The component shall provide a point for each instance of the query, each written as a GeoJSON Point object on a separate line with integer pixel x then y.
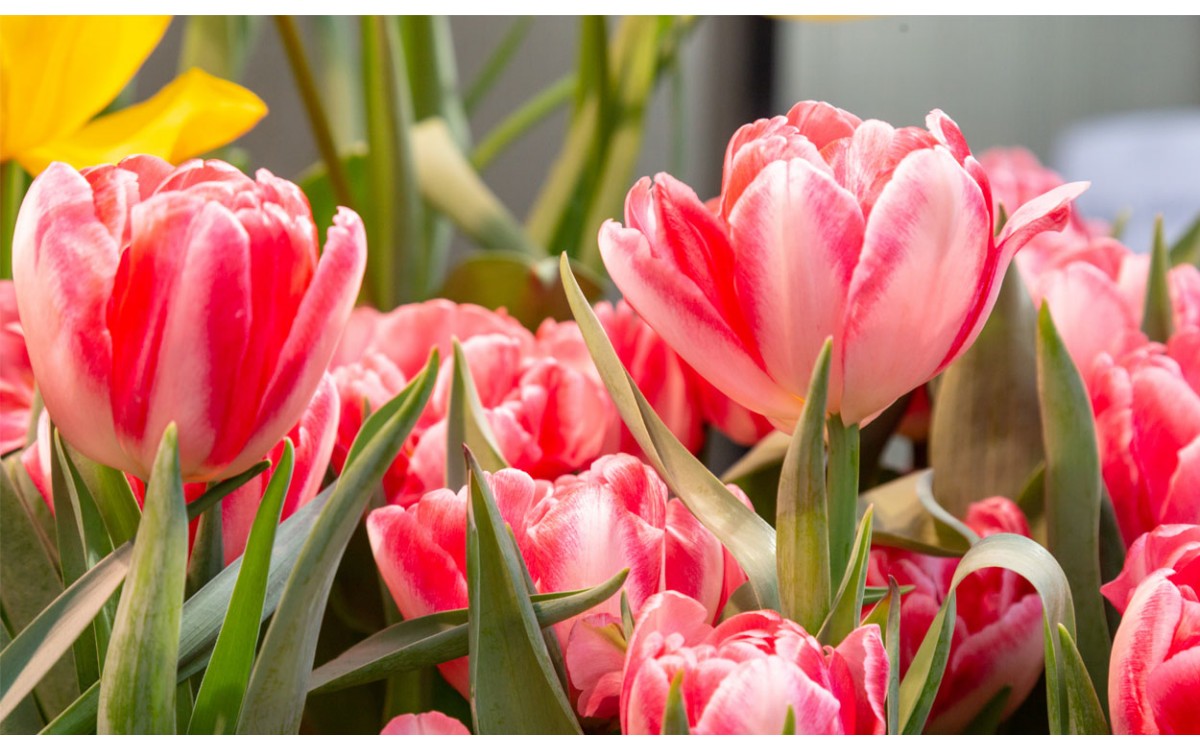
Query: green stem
{"type": "Point", "coordinates": [307, 85]}
{"type": "Point", "coordinates": [497, 62]}
{"type": "Point", "coordinates": [12, 191]}
{"type": "Point", "coordinates": [520, 122]}
{"type": "Point", "coordinates": [843, 492]}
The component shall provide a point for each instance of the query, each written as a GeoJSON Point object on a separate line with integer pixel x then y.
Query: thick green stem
{"type": "Point", "coordinates": [843, 493]}
{"type": "Point", "coordinates": [307, 84]}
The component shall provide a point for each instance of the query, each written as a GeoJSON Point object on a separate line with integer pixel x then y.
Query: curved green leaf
{"type": "Point", "coordinates": [1073, 488]}
{"type": "Point", "coordinates": [274, 697]}
{"type": "Point", "coordinates": [748, 537]}
{"type": "Point", "coordinates": [440, 637]}
{"type": "Point", "coordinates": [220, 696]}
{"type": "Point", "coordinates": [801, 516]}
{"type": "Point", "coordinates": [506, 645]}
{"type": "Point", "coordinates": [902, 518]}
{"type": "Point", "coordinates": [137, 688]}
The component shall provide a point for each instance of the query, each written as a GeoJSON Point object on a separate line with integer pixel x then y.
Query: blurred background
{"type": "Point", "coordinates": [1112, 100]}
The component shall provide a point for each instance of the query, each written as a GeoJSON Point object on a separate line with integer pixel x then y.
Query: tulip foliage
{"type": "Point", "coordinates": [259, 477]}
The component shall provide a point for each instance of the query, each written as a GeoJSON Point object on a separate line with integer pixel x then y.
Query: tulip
{"type": "Point", "coordinates": [1148, 434]}
{"type": "Point", "coordinates": [16, 376]}
{"type": "Point", "coordinates": [1154, 672]}
{"type": "Point", "coordinates": [742, 676]}
{"type": "Point", "coordinates": [573, 534]}
{"type": "Point", "coordinates": [143, 288]}
{"type": "Point", "coordinates": [60, 72]}
{"type": "Point", "coordinates": [997, 640]}
{"type": "Point", "coordinates": [1174, 546]}
{"type": "Point", "coordinates": [825, 226]}
{"type": "Point", "coordinates": [430, 722]}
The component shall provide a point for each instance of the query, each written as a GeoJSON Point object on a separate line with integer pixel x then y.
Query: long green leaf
{"type": "Point", "coordinates": [675, 719]}
{"type": "Point", "coordinates": [440, 637]}
{"type": "Point", "coordinates": [1073, 488]}
{"type": "Point", "coordinates": [506, 643]}
{"type": "Point", "coordinates": [466, 424]}
{"type": "Point", "coordinates": [137, 689]}
{"type": "Point", "coordinates": [204, 613]}
{"type": "Point", "coordinates": [1157, 317]}
{"type": "Point", "coordinates": [497, 62]}
{"type": "Point", "coordinates": [113, 496]}
{"type": "Point", "coordinates": [220, 696]}
{"type": "Point", "coordinates": [1084, 714]}
{"type": "Point", "coordinates": [986, 434]}
{"type": "Point", "coordinates": [1032, 562]}
{"type": "Point", "coordinates": [842, 489]}
{"type": "Point", "coordinates": [847, 604]}
{"type": "Point", "coordinates": [521, 121]}
{"type": "Point", "coordinates": [25, 718]}
{"type": "Point", "coordinates": [274, 697]}
{"type": "Point", "coordinates": [801, 517]}
{"type": "Point", "coordinates": [748, 537]}
{"type": "Point", "coordinates": [892, 643]}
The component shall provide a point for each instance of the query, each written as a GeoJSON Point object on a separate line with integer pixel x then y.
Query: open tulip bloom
{"type": "Point", "coordinates": [236, 483]}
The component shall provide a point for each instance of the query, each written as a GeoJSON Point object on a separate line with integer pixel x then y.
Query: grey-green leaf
{"type": "Point", "coordinates": [467, 424]}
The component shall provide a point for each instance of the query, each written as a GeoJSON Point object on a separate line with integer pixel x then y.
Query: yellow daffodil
{"type": "Point", "coordinates": [58, 73]}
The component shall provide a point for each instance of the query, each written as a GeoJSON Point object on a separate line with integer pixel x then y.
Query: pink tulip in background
{"type": "Point", "coordinates": [826, 226]}
{"type": "Point", "coordinates": [144, 288]}
{"type": "Point", "coordinates": [997, 639]}
{"type": "Point", "coordinates": [1154, 673]}
{"type": "Point", "coordinates": [430, 722]}
{"type": "Point", "coordinates": [573, 534]}
{"type": "Point", "coordinates": [16, 375]}
{"type": "Point", "coordinates": [742, 676]}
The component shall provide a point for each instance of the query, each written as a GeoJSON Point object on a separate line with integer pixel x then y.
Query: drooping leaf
{"type": "Point", "coordinates": [902, 519]}
{"type": "Point", "coordinates": [1157, 317]}
{"type": "Point", "coordinates": [847, 604]}
{"type": "Point", "coordinates": [137, 688]}
{"type": "Point", "coordinates": [440, 637]}
{"type": "Point", "coordinates": [801, 516]}
{"type": "Point", "coordinates": [675, 719]}
{"type": "Point", "coordinates": [467, 424]}
{"type": "Point", "coordinates": [986, 434]}
{"type": "Point", "coordinates": [747, 536]}
{"type": "Point", "coordinates": [219, 698]}
{"type": "Point", "coordinates": [506, 644]}
{"type": "Point", "coordinates": [1073, 487]}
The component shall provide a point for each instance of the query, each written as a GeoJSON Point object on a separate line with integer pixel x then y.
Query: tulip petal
{"type": "Point", "coordinates": [676, 308]}
{"type": "Point", "coordinates": [192, 115]}
{"type": "Point", "coordinates": [897, 335]}
{"type": "Point", "coordinates": [1182, 504]}
{"type": "Point", "coordinates": [1140, 645]}
{"type": "Point", "coordinates": [430, 722]}
{"type": "Point", "coordinates": [1172, 688]}
{"type": "Point", "coordinates": [756, 145]}
{"type": "Point", "coordinates": [866, 658]}
{"type": "Point", "coordinates": [64, 262]}
{"type": "Point", "coordinates": [737, 706]}
{"type": "Point", "coordinates": [822, 123]}
{"type": "Point", "coordinates": [60, 71]}
{"type": "Point", "coordinates": [1166, 418]}
{"type": "Point", "coordinates": [1090, 315]}
{"type": "Point", "coordinates": [797, 235]}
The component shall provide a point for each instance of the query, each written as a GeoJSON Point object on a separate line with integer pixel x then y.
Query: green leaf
{"type": "Point", "coordinates": [842, 489]}
{"type": "Point", "coordinates": [137, 689]}
{"type": "Point", "coordinates": [903, 519]}
{"type": "Point", "coordinates": [220, 696]}
{"type": "Point", "coordinates": [789, 721]}
{"type": "Point", "coordinates": [25, 717]}
{"type": "Point", "coordinates": [1157, 316]}
{"type": "Point", "coordinates": [112, 494]}
{"type": "Point", "coordinates": [218, 44]}
{"type": "Point", "coordinates": [847, 604]}
{"type": "Point", "coordinates": [1187, 248]}
{"type": "Point", "coordinates": [675, 719]}
{"type": "Point", "coordinates": [440, 637]}
{"type": "Point", "coordinates": [801, 516]}
{"type": "Point", "coordinates": [989, 717]}
{"type": "Point", "coordinates": [529, 289]}
{"type": "Point", "coordinates": [1031, 561]}
{"type": "Point", "coordinates": [986, 435]}
{"type": "Point", "coordinates": [540, 106]}
{"type": "Point", "coordinates": [467, 424]}
{"type": "Point", "coordinates": [1084, 714]}
{"type": "Point", "coordinates": [208, 552]}
{"type": "Point", "coordinates": [274, 698]}
{"type": "Point", "coordinates": [506, 644]}
{"type": "Point", "coordinates": [1073, 488]}
{"type": "Point", "coordinates": [497, 62]}
{"type": "Point", "coordinates": [891, 635]}
{"type": "Point", "coordinates": [204, 613]}
{"type": "Point", "coordinates": [397, 264]}
{"type": "Point", "coordinates": [749, 538]}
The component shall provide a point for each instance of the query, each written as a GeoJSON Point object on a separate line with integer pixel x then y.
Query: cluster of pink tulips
{"type": "Point", "coordinates": [146, 295]}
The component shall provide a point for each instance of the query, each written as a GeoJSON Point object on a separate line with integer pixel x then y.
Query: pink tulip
{"type": "Point", "coordinates": [997, 639]}
{"type": "Point", "coordinates": [826, 226]}
{"type": "Point", "coordinates": [143, 290]}
{"type": "Point", "coordinates": [1148, 433]}
{"type": "Point", "coordinates": [16, 375]}
{"type": "Point", "coordinates": [573, 534]}
{"type": "Point", "coordinates": [1154, 672]}
{"type": "Point", "coordinates": [312, 437]}
{"type": "Point", "coordinates": [1174, 546]}
{"type": "Point", "coordinates": [742, 676]}
{"type": "Point", "coordinates": [430, 722]}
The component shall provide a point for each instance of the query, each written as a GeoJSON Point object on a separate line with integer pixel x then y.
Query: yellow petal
{"type": "Point", "coordinates": [58, 72]}
{"type": "Point", "coordinates": [191, 115]}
